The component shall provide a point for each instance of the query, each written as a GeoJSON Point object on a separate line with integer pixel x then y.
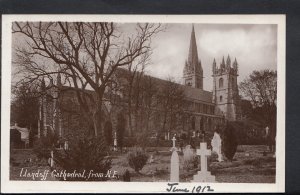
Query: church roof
{"type": "Point", "coordinates": [194, 94]}
{"type": "Point", "coordinates": [198, 94]}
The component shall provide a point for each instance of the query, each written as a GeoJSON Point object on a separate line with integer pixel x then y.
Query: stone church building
{"type": "Point", "coordinates": [204, 109]}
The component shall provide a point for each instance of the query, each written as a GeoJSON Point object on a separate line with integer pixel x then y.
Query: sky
{"type": "Point", "coordinates": [254, 47]}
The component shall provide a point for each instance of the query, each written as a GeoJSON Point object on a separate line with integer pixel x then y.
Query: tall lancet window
{"type": "Point", "coordinates": [220, 82]}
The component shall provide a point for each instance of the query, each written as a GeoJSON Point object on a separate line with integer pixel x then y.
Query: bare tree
{"type": "Point", "coordinates": [150, 93]}
{"type": "Point", "coordinates": [261, 88]}
{"type": "Point", "coordinates": [86, 54]}
{"type": "Point", "coordinates": [171, 104]}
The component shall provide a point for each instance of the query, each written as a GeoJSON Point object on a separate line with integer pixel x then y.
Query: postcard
{"type": "Point", "coordinates": [143, 103]}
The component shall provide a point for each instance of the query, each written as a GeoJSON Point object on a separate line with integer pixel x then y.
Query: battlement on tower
{"type": "Point", "coordinates": [225, 68]}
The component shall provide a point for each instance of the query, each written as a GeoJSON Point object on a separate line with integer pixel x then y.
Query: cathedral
{"type": "Point", "coordinates": [204, 109]}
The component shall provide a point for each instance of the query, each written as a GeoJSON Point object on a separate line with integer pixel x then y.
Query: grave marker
{"type": "Point", "coordinates": [203, 175]}
{"type": "Point", "coordinates": [216, 144]}
{"type": "Point", "coordinates": [174, 172]}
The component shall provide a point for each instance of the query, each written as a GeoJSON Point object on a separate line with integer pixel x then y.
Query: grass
{"type": "Point", "coordinates": [252, 168]}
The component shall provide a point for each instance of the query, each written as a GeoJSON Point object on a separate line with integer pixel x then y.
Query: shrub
{"type": "Point", "coordinates": [137, 159]}
{"type": "Point", "coordinates": [229, 142]}
{"type": "Point", "coordinates": [108, 133]}
{"type": "Point", "coordinates": [84, 154]}
{"type": "Point", "coordinates": [45, 144]}
{"type": "Point", "coordinates": [120, 130]}
{"type": "Point", "coordinates": [213, 157]}
{"type": "Point", "coordinates": [129, 141]}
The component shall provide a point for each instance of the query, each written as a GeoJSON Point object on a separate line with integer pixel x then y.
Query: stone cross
{"type": "Point", "coordinates": [203, 152]}
{"type": "Point", "coordinates": [203, 175]}
{"type": "Point", "coordinates": [174, 140]}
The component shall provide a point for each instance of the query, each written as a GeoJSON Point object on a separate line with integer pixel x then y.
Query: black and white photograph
{"type": "Point", "coordinates": [190, 104]}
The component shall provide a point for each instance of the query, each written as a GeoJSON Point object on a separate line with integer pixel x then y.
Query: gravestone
{"type": "Point", "coordinates": [115, 142]}
{"type": "Point", "coordinates": [203, 175]}
{"type": "Point", "coordinates": [51, 160]}
{"type": "Point", "coordinates": [267, 131]}
{"type": "Point", "coordinates": [174, 172]}
{"type": "Point", "coordinates": [66, 145]}
{"type": "Point", "coordinates": [151, 159]}
{"type": "Point", "coordinates": [188, 153]}
{"type": "Point", "coordinates": [216, 144]}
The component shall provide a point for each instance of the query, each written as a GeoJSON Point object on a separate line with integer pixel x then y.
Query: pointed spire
{"type": "Point", "coordinates": [214, 66]}
{"type": "Point", "coordinates": [235, 64]}
{"type": "Point", "coordinates": [228, 62]}
{"type": "Point", "coordinates": [223, 63]}
{"type": "Point", "coordinates": [193, 53]}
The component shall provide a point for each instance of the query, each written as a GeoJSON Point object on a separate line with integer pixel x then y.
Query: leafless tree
{"type": "Point", "coordinates": [261, 88]}
{"type": "Point", "coordinates": [171, 104]}
{"type": "Point", "coordinates": [150, 93]}
{"type": "Point", "coordinates": [85, 54]}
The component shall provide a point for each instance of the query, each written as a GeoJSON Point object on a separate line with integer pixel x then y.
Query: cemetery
{"type": "Point", "coordinates": [206, 163]}
{"type": "Point", "coordinates": [100, 112]}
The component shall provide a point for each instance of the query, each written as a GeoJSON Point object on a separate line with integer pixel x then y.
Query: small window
{"type": "Point", "coordinates": [221, 98]}
{"type": "Point", "coordinates": [220, 82]}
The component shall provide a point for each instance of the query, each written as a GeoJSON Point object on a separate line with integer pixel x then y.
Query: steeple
{"type": "Point", "coordinates": [193, 53]}
{"type": "Point", "coordinates": [235, 65]}
{"type": "Point", "coordinates": [228, 62]}
{"type": "Point", "coordinates": [193, 72]}
{"type": "Point", "coordinates": [223, 64]}
{"type": "Point", "coordinates": [214, 66]}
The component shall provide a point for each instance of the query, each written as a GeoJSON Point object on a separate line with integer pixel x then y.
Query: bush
{"type": "Point", "coordinates": [108, 133]}
{"type": "Point", "coordinates": [229, 142]}
{"type": "Point", "coordinates": [84, 154]}
{"type": "Point", "coordinates": [137, 159]}
{"type": "Point", "coordinates": [45, 144]}
{"type": "Point", "coordinates": [129, 141]}
{"type": "Point", "coordinates": [213, 157]}
{"type": "Point", "coordinates": [120, 130]}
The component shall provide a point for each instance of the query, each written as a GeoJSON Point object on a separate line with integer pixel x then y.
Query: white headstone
{"type": "Point", "coordinates": [51, 160]}
{"type": "Point", "coordinates": [267, 131]}
{"type": "Point", "coordinates": [151, 159]}
{"type": "Point", "coordinates": [188, 153]}
{"type": "Point", "coordinates": [174, 175]}
{"type": "Point", "coordinates": [203, 175]}
{"type": "Point", "coordinates": [216, 144]}
{"type": "Point", "coordinates": [115, 142]}
{"type": "Point", "coordinates": [66, 145]}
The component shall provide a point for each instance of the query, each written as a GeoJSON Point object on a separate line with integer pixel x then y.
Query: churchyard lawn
{"type": "Point", "coordinates": [249, 165]}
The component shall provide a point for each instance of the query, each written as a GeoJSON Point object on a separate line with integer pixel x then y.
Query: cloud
{"type": "Point", "coordinates": [254, 46]}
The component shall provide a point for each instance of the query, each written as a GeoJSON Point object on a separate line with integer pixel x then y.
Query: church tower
{"type": "Point", "coordinates": [225, 89]}
{"type": "Point", "coordinates": [193, 72]}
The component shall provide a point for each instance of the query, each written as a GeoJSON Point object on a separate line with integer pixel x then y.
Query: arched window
{"type": "Point", "coordinates": [232, 82]}
{"type": "Point", "coordinates": [221, 98]}
{"type": "Point", "coordinates": [220, 82]}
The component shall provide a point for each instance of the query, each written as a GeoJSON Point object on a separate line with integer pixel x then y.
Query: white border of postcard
{"type": "Point", "coordinates": [92, 187]}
